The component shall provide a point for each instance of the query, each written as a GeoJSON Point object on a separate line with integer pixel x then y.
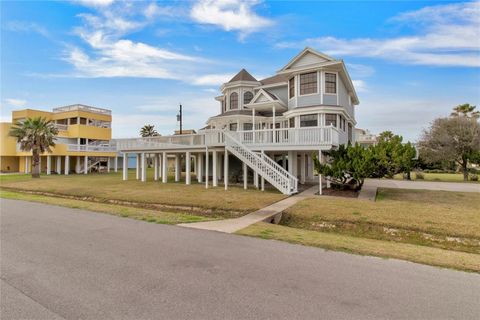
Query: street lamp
{"type": "Point", "coordinates": [179, 118]}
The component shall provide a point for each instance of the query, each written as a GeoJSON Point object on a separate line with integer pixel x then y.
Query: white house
{"type": "Point", "coordinates": [266, 129]}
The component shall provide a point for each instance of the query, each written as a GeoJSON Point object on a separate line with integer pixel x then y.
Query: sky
{"type": "Point", "coordinates": [411, 62]}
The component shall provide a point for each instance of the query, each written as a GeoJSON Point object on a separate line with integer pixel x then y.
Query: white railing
{"type": "Point", "coordinates": [61, 127]}
{"type": "Point", "coordinates": [91, 148]}
{"type": "Point", "coordinates": [82, 107]}
{"type": "Point", "coordinates": [317, 136]}
{"type": "Point", "coordinates": [264, 166]}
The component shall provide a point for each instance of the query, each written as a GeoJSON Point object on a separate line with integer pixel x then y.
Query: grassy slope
{"type": "Point", "coordinates": [421, 254]}
{"type": "Point", "coordinates": [111, 186]}
{"type": "Point", "coordinates": [122, 211]}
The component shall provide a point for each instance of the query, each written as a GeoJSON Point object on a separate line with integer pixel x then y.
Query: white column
{"type": "Point", "coordinates": [290, 162]}
{"type": "Point", "coordinates": [115, 164]}
{"type": "Point", "coordinates": [78, 166]}
{"type": "Point", "coordinates": [164, 167]}
{"type": "Point", "coordinates": [274, 138]}
{"type": "Point", "coordinates": [155, 166]}
{"type": "Point", "coordinates": [200, 168]}
{"type": "Point", "coordinates": [302, 168]}
{"type": "Point", "coordinates": [144, 167]}
{"type": "Point", "coordinates": [67, 165]}
{"type": "Point", "coordinates": [26, 165]}
{"type": "Point", "coordinates": [58, 163]}
{"type": "Point", "coordinates": [178, 168]}
{"type": "Point", "coordinates": [137, 168]}
{"type": "Point", "coordinates": [125, 166]}
{"type": "Point", "coordinates": [49, 164]}
{"type": "Point", "coordinates": [320, 187]}
{"type": "Point", "coordinates": [214, 168]}
{"type": "Point", "coordinates": [85, 164]}
{"type": "Point", "coordinates": [255, 179]}
{"type": "Point", "coordinates": [245, 176]}
{"type": "Point", "coordinates": [188, 168]}
{"type": "Point", "coordinates": [225, 169]}
{"type": "Point", "coordinates": [206, 168]}
{"type": "Point", "coordinates": [159, 165]}
{"type": "Point", "coordinates": [263, 180]}
{"type": "Point", "coordinates": [253, 125]}
{"type": "Point", "coordinates": [108, 164]}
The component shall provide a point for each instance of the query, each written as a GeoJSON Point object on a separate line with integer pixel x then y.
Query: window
{"type": "Point", "coordinates": [344, 124]}
{"type": "Point", "coordinates": [291, 123]}
{"type": "Point", "coordinates": [247, 126]}
{"type": "Point", "coordinates": [73, 120]}
{"type": "Point", "coordinates": [234, 101]}
{"type": "Point", "coordinates": [309, 120]}
{"type": "Point", "coordinates": [83, 120]}
{"type": "Point", "coordinates": [247, 97]}
{"type": "Point", "coordinates": [330, 83]}
{"type": "Point", "coordinates": [308, 83]}
{"type": "Point", "coordinates": [331, 119]}
{"type": "Point", "coordinates": [291, 87]}
{"type": "Point", "coordinates": [233, 127]}
{"type": "Point", "coordinates": [350, 133]}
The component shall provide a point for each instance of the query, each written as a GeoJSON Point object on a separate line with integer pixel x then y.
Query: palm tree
{"type": "Point", "coordinates": [36, 135]}
{"type": "Point", "coordinates": [148, 130]}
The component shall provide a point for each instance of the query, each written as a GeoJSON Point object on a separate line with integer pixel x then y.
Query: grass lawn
{"type": "Point", "coordinates": [154, 216]}
{"type": "Point", "coordinates": [433, 227]}
{"type": "Point", "coordinates": [442, 177]}
{"type": "Point", "coordinates": [178, 196]}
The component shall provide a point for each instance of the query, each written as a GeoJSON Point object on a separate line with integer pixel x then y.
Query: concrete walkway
{"type": "Point", "coordinates": [264, 214]}
{"type": "Point", "coordinates": [370, 186]}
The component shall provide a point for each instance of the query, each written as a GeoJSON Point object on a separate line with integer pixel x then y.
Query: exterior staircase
{"type": "Point", "coordinates": [263, 165]}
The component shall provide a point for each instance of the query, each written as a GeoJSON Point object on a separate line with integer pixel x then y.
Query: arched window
{"type": "Point", "coordinates": [247, 97]}
{"type": "Point", "coordinates": [234, 100]}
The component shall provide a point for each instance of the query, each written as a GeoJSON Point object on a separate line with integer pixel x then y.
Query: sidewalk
{"type": "Point", "coordinates": [267, 213]}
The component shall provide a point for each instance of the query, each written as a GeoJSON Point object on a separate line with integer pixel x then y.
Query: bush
{"type": "Point", "coordinates": [419, 176]}
{"type": "Point", "coordinates": [473, 177]}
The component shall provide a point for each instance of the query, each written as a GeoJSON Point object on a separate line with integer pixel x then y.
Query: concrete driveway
{"type": "Point", "coordinates": [72, 264]}
{"type": "Point", "coordinates": [423, 185]}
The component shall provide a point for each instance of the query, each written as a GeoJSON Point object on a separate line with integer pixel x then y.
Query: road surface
{"type": "Point", "coordinates": [66, 263]}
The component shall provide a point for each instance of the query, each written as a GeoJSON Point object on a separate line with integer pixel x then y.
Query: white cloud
{"type": "Point", "coordinates": [360, 85]}
{"type": "Point", "coordinates": [16, 102]}
{"type": "Point", "coordinates": [24, 26]}
{"type": "Point", "coordinates": [447, 36]}
{"type": "Point", "coordinates": [230, 15]}
{"type": "Point", "coordinates": [212, 79]}
{"type": "Point", "coordinates": [94, 3]}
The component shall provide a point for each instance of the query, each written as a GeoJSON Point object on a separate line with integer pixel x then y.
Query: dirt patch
{"type": "Point", "coordinates": [339, 193]}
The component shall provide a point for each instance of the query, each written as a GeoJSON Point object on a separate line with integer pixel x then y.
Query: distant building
{"type": "Point", "coordinates": [187, 131]}
{"type": "Point", "coordinates": [82, 145]}
{"type": "Point", "coordinates": [365, 138]}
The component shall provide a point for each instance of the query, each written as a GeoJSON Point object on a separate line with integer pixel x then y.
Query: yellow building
{"type": "Point", "coordinates": [82, 145]}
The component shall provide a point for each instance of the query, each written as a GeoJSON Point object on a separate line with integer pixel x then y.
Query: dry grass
{"type": "Point", "coordinates": [155, 216]}
{"type": "Point", "coordinates": [111, 187]}
{"type": "Point", "coordinates": [421, 254]}
{"type": "Point", "coordinates": [442, 177]}
{"type": "Point", "coordinates": [436, 212]}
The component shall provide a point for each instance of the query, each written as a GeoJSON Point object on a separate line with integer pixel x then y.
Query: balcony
{"type": "Point", "coordinates": [82, 107]}
{"type": "Point", "coordinates": [91, 148]}
{"type": "Point", "coordinates": [270, 139]}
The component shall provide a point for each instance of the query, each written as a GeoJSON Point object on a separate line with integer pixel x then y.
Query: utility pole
{"type": "Point", "coordinates": [179, 118]}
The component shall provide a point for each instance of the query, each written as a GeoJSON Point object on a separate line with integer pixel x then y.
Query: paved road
{"type": "Point", "coordinates": [67, 263]}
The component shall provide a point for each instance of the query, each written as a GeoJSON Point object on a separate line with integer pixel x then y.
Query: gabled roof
{"type": "Point", "coordinates": [321, 57]}
{"type": "Point", "coordinates": [243, 75]}
{"type": "Point", "coordinates": [263, 96]}
{"type": "Point", "coordinates": [279, 78]}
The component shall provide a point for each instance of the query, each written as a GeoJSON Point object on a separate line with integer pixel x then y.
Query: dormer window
{"type": "Point", "coordinates": [247, 97]}
{"type": "Point", "coordinates": [330, 83]}
{"type": "Point", "coordinates": [291, 87]}
{"type": "Point", "coordinates": [233, 100]}
{"type": "Point", "coordinates": [308, 83]}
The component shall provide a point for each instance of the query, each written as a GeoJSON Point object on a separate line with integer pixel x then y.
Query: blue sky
{"type": "Point", "coordinates": [410, 61]}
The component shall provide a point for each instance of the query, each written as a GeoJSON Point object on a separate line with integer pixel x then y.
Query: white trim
{"type": "Point", "coordinates": [304, 52]}
{"type": "Point", "coordinates": [308, 94]}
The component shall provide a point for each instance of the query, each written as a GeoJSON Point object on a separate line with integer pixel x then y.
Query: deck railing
{"type": "Point", "coordinates": [318, 136]}
{"type": "Point", "coordinates": [91, 148]}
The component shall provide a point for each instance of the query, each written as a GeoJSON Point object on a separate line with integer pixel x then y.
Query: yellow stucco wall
{"type": "Point", "coordinates": [9, 164]}
{"type": "Point", "coordinates": [8, 144]}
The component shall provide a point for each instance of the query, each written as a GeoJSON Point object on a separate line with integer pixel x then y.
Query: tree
{"type": "Point", "coordinates": [148, 131]}
{"type": "Point", "coordinates": [456, 138]}
{"type": "Point", "coordinates": [465, 110]}
{"type": "Point", "coordinates": [36, 135]}
{"type": "Point", "coordinates": [392, 156]}
{"type": "Point", "coordinates": [348, 164]}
